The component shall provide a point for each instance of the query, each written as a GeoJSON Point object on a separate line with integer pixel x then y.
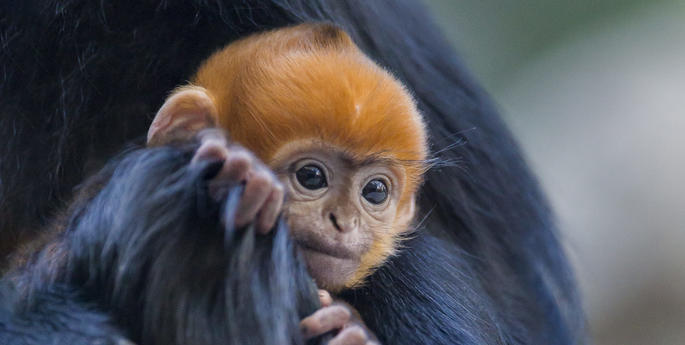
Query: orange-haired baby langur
{"type": "Point", "coordinates": [343, 137]}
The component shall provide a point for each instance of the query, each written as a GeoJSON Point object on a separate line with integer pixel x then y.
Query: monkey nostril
{"type": "Point", "coordinates": [331, 216]}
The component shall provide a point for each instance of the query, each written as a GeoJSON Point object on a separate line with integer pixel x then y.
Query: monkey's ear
{"type": "Point", "coordinates": [183, 114]}
{"type": "Point", "coordinates": [405, 215]}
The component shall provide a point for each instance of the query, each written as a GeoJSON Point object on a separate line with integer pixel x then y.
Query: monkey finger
{"type": "Point", "coordinates": [325, 320]}
{"type": "Point", "coordinates": [257, 189]}
{"type": "Point", "coordinates": [353, 335]}
{"type": "Point", "coordinates": [237, 165]}
{"type": "Point", "coordinates": [237, 160]}
{"type": "Point", "coordinates": [212, 137]}
{"type": "Point", "coordinates": [211, 149]}
{"type": "Point", "coordinates": [234, 168]}
{"type": "Point", "coordinates": [325, 298]}
{"type": "Point", "coordinates": [211, 133]}
{"type": "Point", "coordinates": [272, 206]}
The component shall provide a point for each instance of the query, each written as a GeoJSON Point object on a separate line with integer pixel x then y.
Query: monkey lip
{"type": "Point", "coordinates": [336, 250]}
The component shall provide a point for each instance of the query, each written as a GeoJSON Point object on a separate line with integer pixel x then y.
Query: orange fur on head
{"type": "Point", "coordinates": [311, 82]}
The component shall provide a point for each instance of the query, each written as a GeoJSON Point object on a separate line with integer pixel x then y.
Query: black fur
{"type": "Point", "coordinates": [150, 252]}
{"type": "Point", "coordinates": [58, 315]}
{"type": "Point", "coordinates": [78, 78]}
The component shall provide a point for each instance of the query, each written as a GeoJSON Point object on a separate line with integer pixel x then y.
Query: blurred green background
{"type": "Point", "coordinates": [595, 93]}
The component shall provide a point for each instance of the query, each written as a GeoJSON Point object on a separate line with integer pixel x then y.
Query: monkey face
{"type": "Point", "coordinates": [344, 136]}
{"type": "Point", "coordinates": [342, 210]}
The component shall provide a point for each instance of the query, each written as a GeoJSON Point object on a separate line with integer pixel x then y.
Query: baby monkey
{"type": "Point", "coordinates": [343, 138]}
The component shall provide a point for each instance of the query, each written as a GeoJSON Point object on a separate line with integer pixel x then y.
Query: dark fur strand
{"type": "Point", "coordinates": [151, 253]}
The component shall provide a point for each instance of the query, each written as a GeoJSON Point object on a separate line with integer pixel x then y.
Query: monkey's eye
{"type": "Point", "coordinates": [311, 177]}
{"type": "Point", "coordinates": [375, 191]}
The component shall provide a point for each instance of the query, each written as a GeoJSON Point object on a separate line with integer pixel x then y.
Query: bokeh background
{"type": "Point", "coordinates": [595, 93]}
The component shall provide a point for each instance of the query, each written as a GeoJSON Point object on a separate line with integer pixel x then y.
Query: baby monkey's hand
{"type": "Point", "coordinates": [262, 197]}
{"type": "Point", "coordinates": [337, 316]}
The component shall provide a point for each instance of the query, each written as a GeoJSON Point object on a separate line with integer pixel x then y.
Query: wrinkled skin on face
{"type": "Point", "coordinates": [341, 210]}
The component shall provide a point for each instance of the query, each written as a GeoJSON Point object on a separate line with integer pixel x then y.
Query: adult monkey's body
{"type": "Point", "coordinates": [78, 75]}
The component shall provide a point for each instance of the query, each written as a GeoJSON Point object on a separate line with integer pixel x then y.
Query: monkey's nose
{"type": "Point", "coordinates": [342, 227]}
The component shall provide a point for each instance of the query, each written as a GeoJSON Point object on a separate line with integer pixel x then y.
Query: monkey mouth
{"type": "Point", "coordinates": [321, 246]}
{"type": "Point", "coordinates": [329, 263]}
